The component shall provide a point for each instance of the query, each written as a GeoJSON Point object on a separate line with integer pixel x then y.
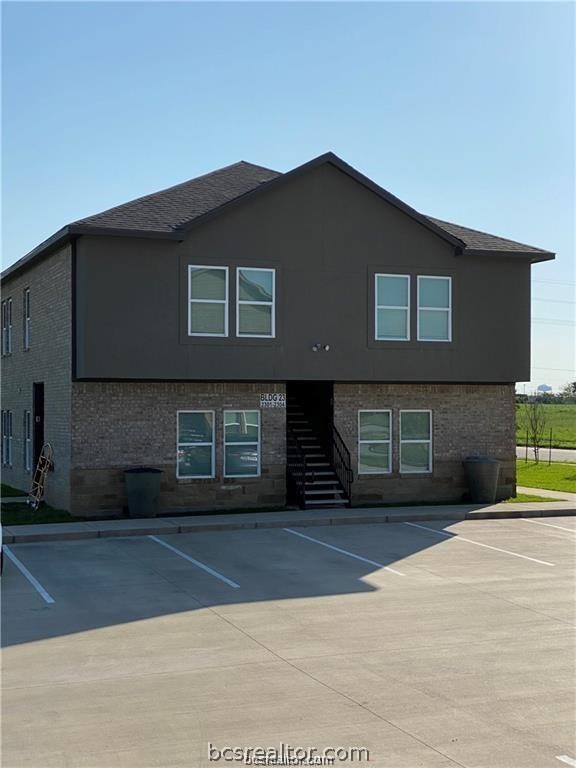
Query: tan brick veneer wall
{"type": "Point", "coordinates": [48, 360]}
{"type": "Point", "coordinates": [467, 419]}
{"type": "Point", "coordinates": [119, 425]}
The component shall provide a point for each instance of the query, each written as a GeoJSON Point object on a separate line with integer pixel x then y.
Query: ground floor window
{"type": "Point", "coordinates": [7, 438]}
{"type": "Point", "coordinates": [374, 438]}
{"type": "Point", "coordinates": [195, 444]}
{"type": "Point", "coordinates": [27, 440]}
{"type": "Point", "coordinates": [241, 443]}
{"type": "Point", "coordinates": [415, 441]}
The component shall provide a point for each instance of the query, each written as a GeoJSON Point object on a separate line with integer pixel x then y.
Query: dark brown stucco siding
{"type": "Point", "coordinates": [326, 235]}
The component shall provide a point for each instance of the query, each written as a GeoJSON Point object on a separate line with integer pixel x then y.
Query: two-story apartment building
{"type": "Point", "coordinates": [172, 330]}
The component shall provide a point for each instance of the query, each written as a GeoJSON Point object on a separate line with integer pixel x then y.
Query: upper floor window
{"type": "Point", "coordinates": [392, 307]}
{"type": "Point", "coordinates": [415, 441]}
{"type": "Point", "coordinates": [207, 301]}
{"type": "Point", "coordinates": [7, 438]}
{"type": "Point", "coordinates": [7, 326]}
{"type": "Point", "coordinates": [255, 311]}
{"type": "Point", "coordinates": [26, 318]}
{"type": "Point", "coordinates": [434, 308]}
{"type": "Point", "coordinates": [195, 444]}
{"type": "Point", "coordinates": [374, 436]}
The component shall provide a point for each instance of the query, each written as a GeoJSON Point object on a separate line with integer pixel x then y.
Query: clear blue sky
{"type": "Point", "coordinates": [463, 110]}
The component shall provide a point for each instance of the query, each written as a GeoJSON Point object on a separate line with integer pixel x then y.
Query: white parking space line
{"type": "Point", "coordinates": [197, 563]}
{"type": "Point", "coordinates": [566, 759]}
{"type": "Point", "coordinates": [457, 537]}
{"type": "Point", "coordinates": [549, 525]}
{"type": "Point", "coordinates": [35, 583]}
{"type": "Point", "coordinates": [343, 551]}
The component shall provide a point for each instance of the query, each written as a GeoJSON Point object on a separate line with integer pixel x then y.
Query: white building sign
{"type": "Point", "coordinates": [272, 400]}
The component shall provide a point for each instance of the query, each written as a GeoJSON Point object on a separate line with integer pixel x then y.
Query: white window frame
{"type": "Point", "coordinates": [389, 441]}
{"type": "Point", "coordinates": [407, 442]}
{"type": "Point", "coordinates": [7, 438]}
{"type": "Point", "coordinates": [447, 309]}
{"type": "Point", "coordinates": [26, 314]}
{"type": "Point", "coordinates": [271, 304]}
{"type": "Point", "coordinates": [386, 306]}
{"type": "Point", "coordinates": [28, 441]}
{"type": "Point", "coordinates": [224, 301]}
{"type": "Point", "coordinates": [225, 442]}
{"type": "Point", "coordinates": [196, 444]}
{"type": "Point", "coordinates": [7, 327]}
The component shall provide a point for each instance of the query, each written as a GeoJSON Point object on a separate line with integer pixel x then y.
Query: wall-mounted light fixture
{"type": "Point", "coordinates": [320, 347]}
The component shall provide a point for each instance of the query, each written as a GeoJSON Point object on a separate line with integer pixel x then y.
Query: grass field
{"type": "Point", "coordinates": [553, 477]}
{"type": "Point", "coordinates": [560, 418]}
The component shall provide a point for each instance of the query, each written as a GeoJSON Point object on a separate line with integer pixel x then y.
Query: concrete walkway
{"type": "Point", "coordinates": [556, 454]}
{"type": "Point", "coordinates": [18, 534]}
{"type": "Point", "coordinates": [560, 495]}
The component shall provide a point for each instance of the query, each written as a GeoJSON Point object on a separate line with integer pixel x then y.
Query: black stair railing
{"type": "Point", "coordinates": [298, 469]}
{"type": "Point", "coordinates": [341, 463]}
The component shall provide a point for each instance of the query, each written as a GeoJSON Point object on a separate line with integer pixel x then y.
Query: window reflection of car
{"type": "Point", "coordinates": [193, 436]}
{"type": "Point", "coordinates": [249, 457]}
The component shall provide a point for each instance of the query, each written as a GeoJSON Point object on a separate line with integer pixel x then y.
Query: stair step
{"type": "Point", "coordinates": [313, 483]}
{"type": "Point", "coordinates": [317, 464]}
{"type": "Point", "coordinates": [326, 502]}
{"type": "Point", "coordinates": [321, 472]}
{"type": "Point", "coordinates": [322, 492]}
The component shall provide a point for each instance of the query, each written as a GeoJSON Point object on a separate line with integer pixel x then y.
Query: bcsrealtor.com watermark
{"type": "Point", "coordinates": [284, 754]}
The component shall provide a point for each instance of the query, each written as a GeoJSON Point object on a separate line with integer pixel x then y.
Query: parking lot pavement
{"type": "Point", "coordinates": [431, 645]}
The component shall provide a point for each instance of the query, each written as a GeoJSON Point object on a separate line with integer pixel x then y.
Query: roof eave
{"type": "Point", "coordinates": [155, 234]}
{"type": "Point", "coordinates": [55, 241]}
{"type": "Point", "coordinates": [70, 231]}
{"type": "Point", "coordinates": [533, 256]}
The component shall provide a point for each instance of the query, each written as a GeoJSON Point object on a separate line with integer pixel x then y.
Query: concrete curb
{"type": "Point", "coordinates": [21, 534]}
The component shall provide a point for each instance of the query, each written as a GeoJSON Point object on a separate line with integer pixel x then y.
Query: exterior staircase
{"type": "Point", "coordinates": [314, 478]}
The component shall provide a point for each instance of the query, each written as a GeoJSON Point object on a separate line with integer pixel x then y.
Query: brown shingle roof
{"type": "Point", "coordinates": [168, 209]}
{"type": "Point", "coordinates": [483, 241]}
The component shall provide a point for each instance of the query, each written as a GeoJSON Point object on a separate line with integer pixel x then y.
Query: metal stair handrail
{"type": "Point", "coordinates": [341, 461]}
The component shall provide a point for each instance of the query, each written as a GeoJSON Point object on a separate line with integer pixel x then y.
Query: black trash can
{"type": "Point", "coordinates": [482, 475]}
{"type": "Point", "coordinates": [143, 490]}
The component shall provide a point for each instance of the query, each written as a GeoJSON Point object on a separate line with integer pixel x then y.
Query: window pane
{"type": "Point", "coordinates": [195, 460]}
{"type": "Point", "coordinates": [241, 459]}
{"type": "Point", "coordinates": [207, 318]}
{"type": "Point", "coordinates": [255, 320]}
{"type": "Point", "coordinates": [414, 457]}
{"type": "Point", "coordinates": [433, 325]}
{"type": "Point", "coordinates": [392, 323]}
{"type": "Point", "coordinates": [255, 285]}
{"type": "Point", "coordinates": [207, 283]}
{"type": "Point", "coordinates": [374, 425]}
{"type": "Point", "coordinates": [434, 293]}
{"type": "Point", "coordinates": [241, 426]}
{"type": "Point", "coordinates": [194, 427]}
{"type": "Point", "coordinates": [414, 425]}
{"type": "Point", "coordinates": [373, 457]}
{"type": "Point", "coordinates": [392, 291]}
